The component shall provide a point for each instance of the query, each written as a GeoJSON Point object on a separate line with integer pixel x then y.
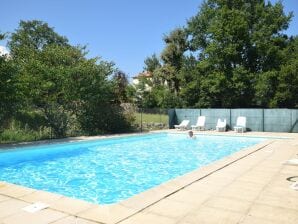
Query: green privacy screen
{"type": "Point", "coordinates": [271, 120]}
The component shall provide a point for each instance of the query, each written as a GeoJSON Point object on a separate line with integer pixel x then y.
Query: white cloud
{"type": "Point", "coordinates": [3, 51]}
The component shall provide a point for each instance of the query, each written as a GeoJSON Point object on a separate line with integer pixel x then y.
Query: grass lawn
{"type": "Point", "coordinates": [151, 118]}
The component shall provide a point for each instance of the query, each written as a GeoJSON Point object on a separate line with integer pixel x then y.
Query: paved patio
{"type": "Point", "coordinates": [250, 186]}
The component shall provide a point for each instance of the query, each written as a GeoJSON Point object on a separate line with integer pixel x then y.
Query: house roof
{"type": "Point", "coordinates": [145, 74]}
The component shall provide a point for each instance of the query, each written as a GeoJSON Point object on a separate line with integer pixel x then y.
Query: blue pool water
{"type": "Point", "coordinates": [110, 170]}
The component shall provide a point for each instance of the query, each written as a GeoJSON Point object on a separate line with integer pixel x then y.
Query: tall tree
{"type": "Point", "coordinates": [59, 83]}
{"type": "Point", "coordinates": [172, 57]}
{"type": "Point", "coordinates": [121, 84]}
{"type": "Point", "coordinates": [34, 35]}
{"type": "Point", "coordinates": [9, 94]}
{"type": "Point", "coordinates": [190, 81]}
{"type": "Point", "coordinates": [152, 63]}
{"type": "Point", "coordinates": [239, 42]}
{"type": "Point", "coordinates": [41, 55]}
{"type": "Point", "coordinates": [2, 35]}
{"type": "Point", "coordinates": [287, 87]}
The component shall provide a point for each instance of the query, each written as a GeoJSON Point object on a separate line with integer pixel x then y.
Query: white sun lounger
{"type": "Point", "coordinates": [200, 123]}
{"type": "Point", "coordinates": [221, 125]}
{"type": "Point", "coordinates": [183, 125]}
{"type": "Point", "coordinates": [240, 124]}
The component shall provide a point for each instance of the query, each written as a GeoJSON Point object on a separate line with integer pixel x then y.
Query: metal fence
{"type": "Point", "coordinates": [267, 120]}
{"type": "Point", "coordinates": [148, 119]}
{"type": "Point", "coordinates": [32, 125]}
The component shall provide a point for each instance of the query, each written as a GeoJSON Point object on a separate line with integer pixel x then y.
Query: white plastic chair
{"type": "Point", "coordinates": [183, 125]}
{"type": "Point", "coordinates": [200, 123]}
{"type": "Point", "coordinates": [221, 125]}
{"type": "Point", "coordinates": [240, 124]}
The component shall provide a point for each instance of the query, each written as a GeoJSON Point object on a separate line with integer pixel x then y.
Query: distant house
{"type": "Point", "coordinates": [147, 75]}
{"type": "Point", "coordinates": [141, 76]}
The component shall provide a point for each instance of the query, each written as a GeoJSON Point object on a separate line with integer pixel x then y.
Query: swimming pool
{"type": "Point", "coordinates": [110, 170]}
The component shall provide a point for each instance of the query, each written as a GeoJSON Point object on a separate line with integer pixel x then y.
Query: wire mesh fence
{"type": "Point", "coordinates": [148, 119]}
{"type": "Point", "coordinates": [38, 124]}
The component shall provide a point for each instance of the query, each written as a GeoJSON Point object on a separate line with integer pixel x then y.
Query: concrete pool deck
{"type": "Point", "coordinates": [249, 186]}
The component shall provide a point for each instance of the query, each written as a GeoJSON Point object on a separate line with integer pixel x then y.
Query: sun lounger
{"type": "Point", "coordinates": [240, 124]}
{"type": "Point", "coordinates": [221, 125]}
{"type": "Point", "coordinates": [183, 125]}
{"type": "Point", "coordinates": [200, 125]}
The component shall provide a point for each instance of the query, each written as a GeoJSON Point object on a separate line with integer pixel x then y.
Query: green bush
{"type": "Point", "coordinates": [22, 135]}
{"type": "Point", "coordinates": [32, 119]}
{"type": "Point", "coordinates": [105, 118]}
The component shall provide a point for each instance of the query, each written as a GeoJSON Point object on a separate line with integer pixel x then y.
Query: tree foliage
{"type": "Point", "coordinates": [287, 87]}
{"type": "Point", "coordinates": [240, 46]}
{"type": "Point", "coordinates": [9, 96]}
{"type": "Point", "coordinates": [34, 35]}
{"type": "Point", "coordinates": [121, 82]}
{"type": "Point", "coordinates": [232, 53]}
{"type": "Point", "coordinates": [56, 82]}
{"type": "Point", "coordinates": [172, 57]}
{"type": "Point", "coordinates": [152, 63]}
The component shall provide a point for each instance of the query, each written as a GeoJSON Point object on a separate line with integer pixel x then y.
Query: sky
{"type": "Point", "coordinates": [122, 31]}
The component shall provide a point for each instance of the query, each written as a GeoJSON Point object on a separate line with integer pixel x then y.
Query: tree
{"type": "Point", "coordinates": [152, 63]}
{"type": "Point", "coordinates": [34, 35]}
{"type": "Point", "coordinates": [9, 93]}
{"type": "Point", "coordinates": [190, 80]}
{"type": "Point", "coordinates": [172, 57]}
{"type": "Point", "coordinates": [121, 84]}
{"type": "Point", "coordinates": [287, 85]}
{"type": "Point", "coordinates": [164, 86]}
{"type": "Point", "coordinates": [47, 85]}
{"type": "Point", "coordinates": [99, 108]}
{"type": "Point", "coordinates": [2, 35]}
{"type": "Point", "coordinates": [60, 84]}
{"type": "Point", "coordinates": [239, 46]}
{"type": "Point", "coordinates": [42, 57]}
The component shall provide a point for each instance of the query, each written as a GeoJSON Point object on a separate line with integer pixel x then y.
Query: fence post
{"type": "Point", "coordinates": [141, 119]}
{"type": "Point", "coordinates": [230, 118]}
{"type": "Point", "coordinates": [291, 119]}
{"type": "Point", "coordinates": [263, 120]}
{"type": "Point", "coordinates": [159, 115]}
